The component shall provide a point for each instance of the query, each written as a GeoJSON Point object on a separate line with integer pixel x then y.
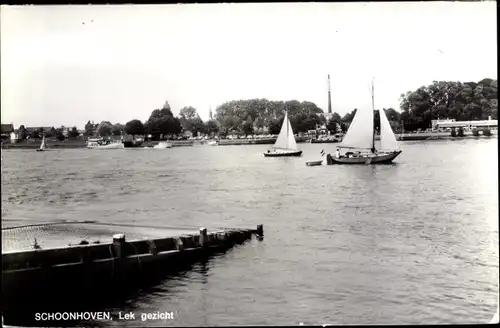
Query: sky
{"type": "Point", "coordinates": [66, 65]}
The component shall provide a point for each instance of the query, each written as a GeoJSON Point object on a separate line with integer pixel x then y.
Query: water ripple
{"type": "Point", "coordinates": [402, 244]}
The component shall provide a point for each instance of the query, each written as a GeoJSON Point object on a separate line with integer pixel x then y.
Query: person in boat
{"type": "Point", "coordinates": [337, 153]}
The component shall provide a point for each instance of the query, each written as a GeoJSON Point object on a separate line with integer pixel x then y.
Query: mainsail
{"type": "Point", "coordinates": [387, 138]}
{"type": "Point", "coordinates": [42, 146]}
{"type": "Point", "coordinates": [360, 132]}
{"type": "Point", "coordinates": [286, 139]}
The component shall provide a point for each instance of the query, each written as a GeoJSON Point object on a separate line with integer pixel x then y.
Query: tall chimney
{"type": "Point", "coordinates": [329, 97]}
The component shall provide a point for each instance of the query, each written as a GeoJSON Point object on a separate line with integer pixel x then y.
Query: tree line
{"type": "Point", "coordinates": [441, 99]}
{"type": "Point", "coordinates": [24, 133]}
{"type": "Point", "coordinates": [444, 99]}
{"type": "Point", "coordinates": [241, 117]}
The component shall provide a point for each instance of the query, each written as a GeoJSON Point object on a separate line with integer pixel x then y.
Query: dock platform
{"type": "Point", "coordinates": [71, 265]}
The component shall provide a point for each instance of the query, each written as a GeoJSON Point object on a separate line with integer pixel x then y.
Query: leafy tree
{"type": "Point", "coordinates": [188, 113]}
{"type": "Point", "coordinates": [117, 129]}
{"type": "Point", "coordinates": [349, 116]}
{"type": "Point", "coordinates": [35, 134]}
{"type": "Point", "coordinates": [260, 113]}
{"type": "Point", "coordinates": [23, 133]}
{"type": "Point", "coordinates": [162, 122]}
{"type": "Point", "coordinates": [212, 127]}
{"type": "Point", "coordinates": [376, 120]}
{"type": "Point", "coordinates": [134, 127]}
{"type": "Point", "coordinates": [332, 125]}
{"type": "Point", "coordinates": [448, 99]}
{"type": "Point", "coordinates": [191, 121]}
{"type": "Point", "coordinates": [247, 127]}
{"type": "Point", "coordinates": [73, 133]}
{"type": "Point", "coordinates": [105, 129]}
{"type": "Point", "coordinates": [51, 133]}
{"type": "Point", "coordinates": [343, 127]}
{"type": "Point", "coordinates": [89, 129]}
{"type": "Point", "coordinates": [60, 135]}
{"type": "Point", "coordinates": [322, 118]}
{"type": "Point", "coordinates": [336, 117]}
{"type": "Point", "coordinates": [275, 125]}
{"type": "Point", "coordinates": [197, 126]}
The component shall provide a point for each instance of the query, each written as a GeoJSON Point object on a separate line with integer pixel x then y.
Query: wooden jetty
{"type": "Point", "coordinates": [85, 271]}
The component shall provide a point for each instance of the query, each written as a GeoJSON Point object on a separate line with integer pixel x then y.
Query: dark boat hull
{"type": "Point", "coordinates": [377, 159]}
{"type": "Point", "coordinates": [314, 163]}
{"type": "Point", "coordinates": [324, 141]}
{"type": "Point", "coordinates": [284, 154]}
{"type": "Point", "coordinates": [132, 144]}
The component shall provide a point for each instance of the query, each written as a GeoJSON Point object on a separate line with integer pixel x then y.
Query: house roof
{"type": "Point", "coordinates": [7, 128]}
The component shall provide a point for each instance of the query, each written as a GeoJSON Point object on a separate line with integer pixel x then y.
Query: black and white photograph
{"type": "Point", "coordinates": [249, 164]}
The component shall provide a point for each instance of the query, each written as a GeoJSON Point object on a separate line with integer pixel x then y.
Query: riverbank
{"type": "Point", "coordinates": [438, 135]}
{"type": "Point", "coordinates": [70, 144]}
{"type": "Point", "coordinates": [35, 144]}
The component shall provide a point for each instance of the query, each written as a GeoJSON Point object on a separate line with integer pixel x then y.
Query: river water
{"type": "Point", "coordinates": [409, 243]}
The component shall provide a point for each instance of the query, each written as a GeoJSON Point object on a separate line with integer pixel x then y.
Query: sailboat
{"type": "Point", "coordinates": [43, 147]}
{"type": "Point", "coordinates": [285, 144]}
{"type": "Point", "coordinates": [360, 140]}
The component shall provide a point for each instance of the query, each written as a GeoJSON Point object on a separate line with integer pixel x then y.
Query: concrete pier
{"type": "Point", "coordinates": [83, 271]}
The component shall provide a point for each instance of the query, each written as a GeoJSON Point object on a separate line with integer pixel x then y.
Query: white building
{"type": "Point", "coordinates": [452, 123]}
{"type": "Point", "coordinates": [14, 137]}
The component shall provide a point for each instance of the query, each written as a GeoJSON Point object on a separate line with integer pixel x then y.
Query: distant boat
{"type": "Point", "coordinates": [43, 147]}
{"type": "Point", "coordinates": [360, 140]}
{"type": "Point", "coordinates": [212, 143]}
{"type": "Point", "coordinates": [314, 163]}
{"type": "Point", "coordinates": [133, 143]}
{"type": "Point", "coordinates": [285, 144]}
{"type": "Point", "coordinates": [100, 144]}
{"type": "Point", "coordinates": [163, 145]}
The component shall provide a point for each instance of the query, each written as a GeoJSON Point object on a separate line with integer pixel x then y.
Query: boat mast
{"type": "Point", "coordinates": [373, 109]}
{"type": "Point", "coordinates": [286, 118]}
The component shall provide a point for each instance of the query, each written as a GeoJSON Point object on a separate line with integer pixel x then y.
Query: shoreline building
{"type": "Point", "coordinates": [452, 123]}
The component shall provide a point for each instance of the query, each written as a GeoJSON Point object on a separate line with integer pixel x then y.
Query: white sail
{"type": "Point", "coordinates": [285, 139]}
{"type": "Point", "coordinates": [387, 138]}
{"type": "Point", "coordinates": [42, 146]}
{"type": "Point", "coordinates": [291, 138]}
{"type": "Point", "coordinates": [360, 132]}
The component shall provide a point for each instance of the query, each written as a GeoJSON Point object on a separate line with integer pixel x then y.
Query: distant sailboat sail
{"type": "Point", "coordinates": [360, 133]}
{"type": "Point", "coordinates": [42, 146]}
{"type": "Point", "coordinates": [285, 144]}
{"type": "Point", "coordinates": [286, 139]}
{"type": "Point", "coordinates": [388, 140]}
